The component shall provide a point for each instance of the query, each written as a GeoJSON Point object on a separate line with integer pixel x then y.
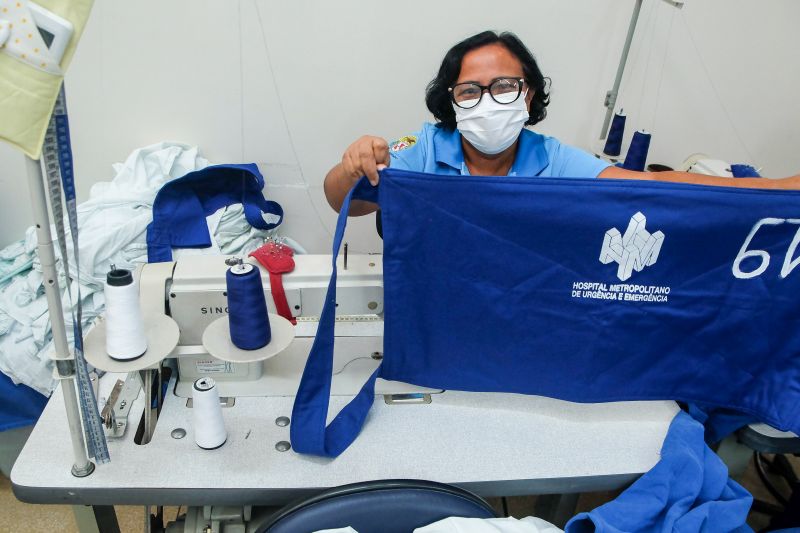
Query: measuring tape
{"type": "Point", "coordinates": [57, 157]}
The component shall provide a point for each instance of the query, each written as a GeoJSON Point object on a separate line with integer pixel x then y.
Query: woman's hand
{"type": "Point", "coordinates": [366, 157]}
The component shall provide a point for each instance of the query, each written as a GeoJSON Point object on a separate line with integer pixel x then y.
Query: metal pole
{"type": "Point", "coordinates": [147, 386]}
{"type": "Point", "coordinates": [611, 96]}
{"type": "Point", "coordinates": [65, 363]}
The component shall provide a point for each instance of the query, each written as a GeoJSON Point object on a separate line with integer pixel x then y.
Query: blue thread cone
{"type": "Point", "coordinates": [637, 152]}
{"type": "Point", "coordinates": [247, 309]}
{"type": "Point", "coordinates": [615, 133]}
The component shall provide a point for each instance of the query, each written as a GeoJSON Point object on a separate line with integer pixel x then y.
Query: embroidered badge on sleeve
{"type": "Point", "coordinates": [403, 142]}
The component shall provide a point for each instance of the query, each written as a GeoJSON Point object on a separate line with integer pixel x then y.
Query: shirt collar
{"type": "Point", "coordinates": [447, 147]}
{"type": "Point", "coordinates": [531, 156]}
{"type": "Point", "coordinates": [530, 160]}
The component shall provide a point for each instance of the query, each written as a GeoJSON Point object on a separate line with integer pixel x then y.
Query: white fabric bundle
{"type": "Point", "coordinates": [529, 524]}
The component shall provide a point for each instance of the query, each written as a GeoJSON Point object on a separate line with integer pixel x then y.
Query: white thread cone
{"type": "Point", "coordinates": [209, 427]}
{"type": "Point", "coordinates": [125, 337]}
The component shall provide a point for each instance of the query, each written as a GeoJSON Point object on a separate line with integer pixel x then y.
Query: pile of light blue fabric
{"type": "Point", "coordinates": [112, 223]}
{"type": "Point", "coordinates": [113, 226]}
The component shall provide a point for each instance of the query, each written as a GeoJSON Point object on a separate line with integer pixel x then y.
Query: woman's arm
{"type": "Point", "coordinates": [792, 182]}
{"type": "Point", "coordinates": [365, 157]}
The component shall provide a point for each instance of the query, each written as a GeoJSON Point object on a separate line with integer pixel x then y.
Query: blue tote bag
{"type": "Point", "coordinates": [578, 289]}
{"type": "Point", "coordinates": [182, 205]}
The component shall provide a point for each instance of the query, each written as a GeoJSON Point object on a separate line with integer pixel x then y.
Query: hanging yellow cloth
{"type": "Point", "coordinates": [29, 78]}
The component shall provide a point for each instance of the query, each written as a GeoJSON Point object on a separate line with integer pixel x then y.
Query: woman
{"type": "Point", "coordinates": [488, 89]}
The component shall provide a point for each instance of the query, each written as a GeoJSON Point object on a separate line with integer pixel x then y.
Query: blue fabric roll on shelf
{"type": "Point", "coordinates": [181, 207]}
{"type": "Point", "coordinates": [744, 171]}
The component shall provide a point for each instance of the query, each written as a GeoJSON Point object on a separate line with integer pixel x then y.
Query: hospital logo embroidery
{"type": "Point", "coordinates": [403, 142]}
{"type": "Point", "coordinates": [636, 249]}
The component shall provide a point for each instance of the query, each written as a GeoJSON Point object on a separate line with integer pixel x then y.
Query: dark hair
{"type": "Point", "coordinates": [437, 96]}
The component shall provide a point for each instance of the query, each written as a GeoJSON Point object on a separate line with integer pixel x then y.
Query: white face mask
{"type": "Point", "coordinates": [491, 127]}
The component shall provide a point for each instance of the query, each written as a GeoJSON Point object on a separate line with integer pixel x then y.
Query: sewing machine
{"type": "Point", "coordinates": [195, 296]}
{"type": "Point", "coordinates": [492, 444]}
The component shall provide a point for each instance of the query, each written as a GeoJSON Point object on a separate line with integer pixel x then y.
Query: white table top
{"type": "Point", "coordinates": [492, 444]}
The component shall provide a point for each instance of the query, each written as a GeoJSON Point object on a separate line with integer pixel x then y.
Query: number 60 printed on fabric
{"type": "Point", "coordinates": [789, 264]}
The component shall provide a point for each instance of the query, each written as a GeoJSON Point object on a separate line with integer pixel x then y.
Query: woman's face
{"type": "Point", "coordinates": [489, 62]}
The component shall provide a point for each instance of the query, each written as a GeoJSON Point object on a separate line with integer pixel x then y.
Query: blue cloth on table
{"type": "Point", "coordinates": [182, 205]}
{"type": "Point", "coordinates": [19, 405]}
{"type": "Point", "coordinates": [687, 491]}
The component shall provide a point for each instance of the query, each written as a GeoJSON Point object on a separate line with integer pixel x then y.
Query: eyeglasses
{"type": "Point", "coordinates": [502, 90]}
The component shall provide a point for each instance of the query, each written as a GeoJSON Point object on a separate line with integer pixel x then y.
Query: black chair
{"type": "Point", "coordinates": [762, 439]}
{"type": "Point", "coordinates": [388, 506]}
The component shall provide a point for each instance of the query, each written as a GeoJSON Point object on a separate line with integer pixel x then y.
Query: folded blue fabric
{"type": "Point", "coordinates": [19, 405]}
{"type": "Point", "coordinates": [182, 205]}
{"type": "Point", "coordinates": [744, 171]}
{"type": "Point", "coordinates": [687, 491]}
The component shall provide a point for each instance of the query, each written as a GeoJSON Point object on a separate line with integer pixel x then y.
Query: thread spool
{"type": "Point", "coordinates": [125, 337]}
{"type": "Point", "coordinates": [615, 133]}
{"type": "Point", "coordinates": [209, 426]}
{"type": "Point", "coordinates": [637, 152]}
{"type": "Point", "coordinates": [248, 321]}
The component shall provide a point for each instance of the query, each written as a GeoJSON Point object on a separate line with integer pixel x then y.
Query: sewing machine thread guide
{"type": "Point", "coordinates": [117, 408]}
{"type": "Point", "coordinates": [108, 410]}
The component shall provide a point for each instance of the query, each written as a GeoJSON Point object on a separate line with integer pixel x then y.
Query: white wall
{"type": "Point", "coordinates": [727, 82]}
{"type": "Point", "coordinates": [15, 211]}
{"type": "Point", "coordinates": [290, 84]}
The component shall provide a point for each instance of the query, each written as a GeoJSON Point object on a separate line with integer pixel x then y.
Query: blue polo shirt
{"type": "Point", "coordinates": [438, 151]}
